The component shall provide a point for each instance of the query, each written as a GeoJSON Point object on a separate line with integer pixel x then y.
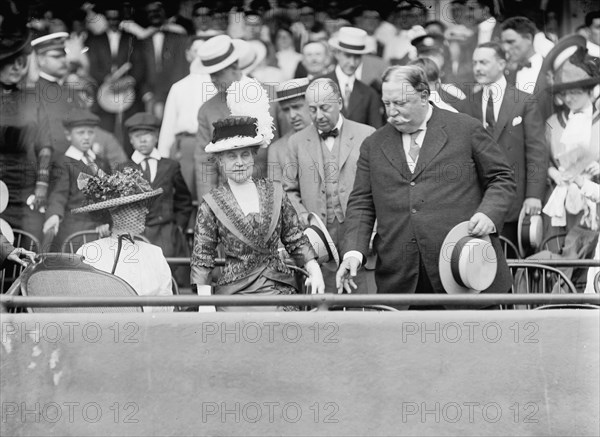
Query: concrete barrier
{"type": "Point", "coordinates": [325, 373]}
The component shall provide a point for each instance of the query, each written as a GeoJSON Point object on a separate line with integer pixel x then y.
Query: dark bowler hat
{"type": "Point", "coordinates": [80, 117]}
{"type": "Point", "coordinates": [142, 121]}
{"type": "Point", "coordinates": [15, 36]}
{"type": "Point", "coordinates": [53, 41]}
{"type": "Point", "coordinates": [428, 43]}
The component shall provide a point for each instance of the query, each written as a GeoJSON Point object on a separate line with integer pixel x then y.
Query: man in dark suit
{"type": "Point", "coordinates": [420, 175]}
{"type": "Point", "coordinates": [109, 51]}
{"type": "Point", "coordinates": [513, 121]}
{"type": "Point", "coordinates": [170, 212]}
{"type": "Point", "coordinates": [164, 55]}
{"type": "Point", "coordinates": [361, 102]}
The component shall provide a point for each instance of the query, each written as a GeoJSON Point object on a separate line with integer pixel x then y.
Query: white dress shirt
{"type": "Point", "coordinates": [76, 154]}
{"type": "Point", "coordinates": [434, 97]}
{"type": "Point", "coordinates": [406, 140]}
{"type": "Point", "coordinates": [140, 159]}
{"type": "Point", "coordinates": [343, 80]}
{"type": "Point", "coordinates": [498, 89]}
{"type": "Point", "coordinates": [113, 41]}
{"type": "Point", "coordinates": [50, 78]}
{"type": "Point", "coordinates": [330, 140]}
{"type": "Point", "coordinates": [181, 108]}
{"type": "Point", "coordinates": [157, 41]}
{"type": "Point", "coordinates": [527, 76]}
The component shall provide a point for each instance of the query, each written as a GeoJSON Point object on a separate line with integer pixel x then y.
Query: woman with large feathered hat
{"type": "Point", "coordinates": [248, 217]}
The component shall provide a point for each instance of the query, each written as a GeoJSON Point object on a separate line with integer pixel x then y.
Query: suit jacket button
{"type": "Point", "coordinates": [413, 240]}
{"type": "Point", "coordinates": [412, 184]}
{"type": "Point", "coordinates": [413, 211]}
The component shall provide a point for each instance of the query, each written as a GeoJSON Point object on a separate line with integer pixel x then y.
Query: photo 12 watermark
{"type": "Point", "coordinates": [270, 412]}
{"type": "Point", "coordinates": [69, 412]}
{"type": "Point", "coordinates": [269, 332]}
{"type": "Point", "coordinates": [69, 332]}
{"type": "Point", "coordinates": [469, 412]}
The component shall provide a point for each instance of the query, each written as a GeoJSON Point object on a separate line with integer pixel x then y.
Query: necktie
{"type": "Point", "coordinates": [414, 150]}
{"type": "Point", "coordinates": [332, 133]}
{"type": "Point", "coordinates": [146, 169]}
{"type": "Point", "coordinates": [490, 120]}
{"type": "Point", "coordinates": [91, 165]}
{"type": "Point", "coordinates": [347, 92]}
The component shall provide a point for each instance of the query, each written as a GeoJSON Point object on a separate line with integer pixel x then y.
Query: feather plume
{"type": "Point", "coordinates": [247, 97]}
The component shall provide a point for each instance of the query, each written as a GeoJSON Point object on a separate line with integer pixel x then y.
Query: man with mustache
{"type": "Point", "coordinates": [419, 175]}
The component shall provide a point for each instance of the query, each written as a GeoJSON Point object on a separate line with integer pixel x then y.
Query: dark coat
{"type": "Point", "coordinates": [65, 195]}
{"type": "Point", "coordinates": [520, 131]}
{"type": "Point", "coordinates": [174, 65]}
{"type": "Point", "coordinates": [460, 171]}
{"type": "Point", "coordinates": [365, 104]}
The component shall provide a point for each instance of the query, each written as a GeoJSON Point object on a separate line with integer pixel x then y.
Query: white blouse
{"type": "Point", "coordinates": [142, 265]}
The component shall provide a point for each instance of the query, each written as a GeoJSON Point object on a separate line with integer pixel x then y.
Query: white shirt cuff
{"type": "Point", "coordinates": [355, 254]}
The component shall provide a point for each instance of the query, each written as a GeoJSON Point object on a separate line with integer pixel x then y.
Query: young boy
{"type": "Point", "coordinates": [169, 212]}
{"type": "Point", "coordinates": [80, 130]}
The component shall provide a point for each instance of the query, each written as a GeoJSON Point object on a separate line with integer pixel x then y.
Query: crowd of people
{"type": "Point", "coordinates": [382, 130]}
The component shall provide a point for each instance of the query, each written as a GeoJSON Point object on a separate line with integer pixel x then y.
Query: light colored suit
{"type": "Point", "coordinates": [304, 178]}
{"type": "Point", "coordinates": [305, 184]}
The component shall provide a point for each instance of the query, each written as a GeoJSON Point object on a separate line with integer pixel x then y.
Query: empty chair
{"type": "Point", "coordinates": [510, 250]}
{"type": "Point", "coordinates": [538, 278]}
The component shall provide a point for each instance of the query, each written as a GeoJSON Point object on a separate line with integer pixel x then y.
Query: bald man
{"type": "Point", "coordinates": [321, 165]}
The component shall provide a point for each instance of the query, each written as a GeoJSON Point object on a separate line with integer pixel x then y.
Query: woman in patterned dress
{"type": "Point", "coordinates": [248, 218]}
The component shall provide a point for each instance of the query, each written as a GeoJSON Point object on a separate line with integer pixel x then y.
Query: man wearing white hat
{"type": "Point", "coordinates": [178, 132]}
{"type": "Point", "coordinates": [219, 58]}
{"type": "Point", "coordinates": [361, 103]}
{"type": "Point", "coordinates": [55, 98]}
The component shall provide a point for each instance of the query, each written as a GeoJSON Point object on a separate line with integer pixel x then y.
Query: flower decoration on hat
{"type": "Point", "coordinates": [248, 98]}
{"type": "Point", "coordinates": [118, 189]}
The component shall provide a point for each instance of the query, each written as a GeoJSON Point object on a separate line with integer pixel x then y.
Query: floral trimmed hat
{"type": "Point", "coordinates": [118, 189]}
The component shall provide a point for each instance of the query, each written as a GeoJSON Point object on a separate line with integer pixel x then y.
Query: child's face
{"type": "Point", "coordinates": [82, 137]}
{"type": "Point", "coordinates": [144, 141]}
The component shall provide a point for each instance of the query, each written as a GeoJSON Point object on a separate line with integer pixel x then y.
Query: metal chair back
{"type": "Point", "coordinates": [66, 275]}
{"type": "Point", "coordinates": [538, 278]}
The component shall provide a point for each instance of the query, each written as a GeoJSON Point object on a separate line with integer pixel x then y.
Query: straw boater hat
{"type": "Point", "coordinates": [5, 228]}
{"type": "Point", "coordinates": [467, 264]}
{"type": "Point", "coordinates": [290, 89]}
{"type": "Point", "coordinates": [350, 40]}
{"type": "Point", "coordinates": [321, 241]}
{"type": "Point", "coordinates": [530, 231]}
{"type": "Point", "coordinates": [218, 53]}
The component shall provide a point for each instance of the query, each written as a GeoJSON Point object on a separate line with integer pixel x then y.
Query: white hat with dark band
{"type": "Point", "coordinates": [530, 232]}
{"type": "Point", "coordinates": [218, 53]}
{"type": "Point", "coordinates": [467, 264]}
{"type": "Point", "coordinates": [350, 40]}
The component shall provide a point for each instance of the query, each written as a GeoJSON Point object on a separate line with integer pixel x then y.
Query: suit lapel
{"type": "Point", "coordinates": [313, 146]}
{"type": "Point", "coordinates": [345, 144]}
{"type": "Point", "coordinates": [393, 150]}
{"type": "Point", "coordinates": [476, 108]}
{"type": "Point", "coordinates": [161, 171]}
{"type": "Point", "coordinates": [435, 139]}
{"type": "Point", "coordinates": [506, 111]}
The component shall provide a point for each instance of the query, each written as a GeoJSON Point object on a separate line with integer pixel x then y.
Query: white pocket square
{"type": "Point", "coordinates": [516, 121]}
